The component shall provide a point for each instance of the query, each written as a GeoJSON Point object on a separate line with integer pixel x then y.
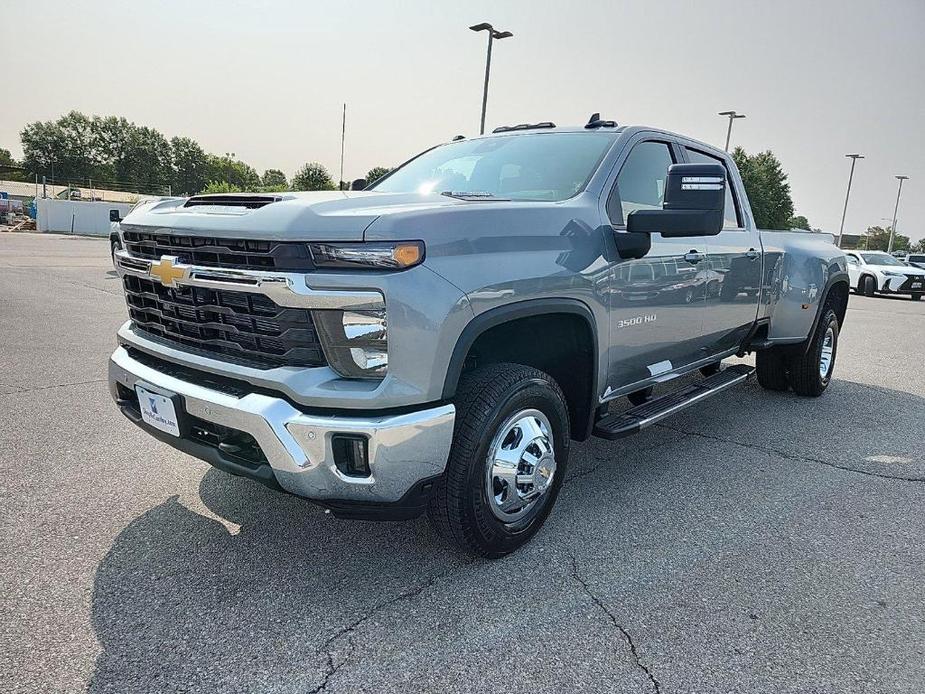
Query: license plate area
{"type": "Point", "coordinates": [160, 409]}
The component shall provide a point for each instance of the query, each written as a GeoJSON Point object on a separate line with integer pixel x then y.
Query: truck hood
{"type": "Point", "coordinates": [322, 215]}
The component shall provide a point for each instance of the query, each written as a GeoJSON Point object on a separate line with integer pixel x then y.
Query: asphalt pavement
{"type": "Point", "coordinates": [760, 542]}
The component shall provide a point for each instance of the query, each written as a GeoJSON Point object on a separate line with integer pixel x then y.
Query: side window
{"type": "Point", "coordinates": [852, 260]}
{"type": "Point", "coordinates": [730, 215]}
{"type": "Point", "coordinates": [641, 181]}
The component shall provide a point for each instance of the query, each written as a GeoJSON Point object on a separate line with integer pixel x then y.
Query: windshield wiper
{"type": "Point", "coordinates": [473, 195]}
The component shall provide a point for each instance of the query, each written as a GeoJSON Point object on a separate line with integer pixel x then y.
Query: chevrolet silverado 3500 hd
{"type": "Point", "coordinates": [437, 340]}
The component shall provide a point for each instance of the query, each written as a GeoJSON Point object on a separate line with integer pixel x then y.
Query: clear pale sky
{"type": "Point", "coordinates": [266, 79]}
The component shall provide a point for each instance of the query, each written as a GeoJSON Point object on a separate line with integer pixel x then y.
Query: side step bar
{"type": "Point", "coordinates": [616, 426]}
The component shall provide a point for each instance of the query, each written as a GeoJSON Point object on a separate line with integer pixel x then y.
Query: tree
{"type": "Point", "coordinates": [312, 176]}
{"type": "Point", "coordinates": [878, 239]}
{"type": "Point", "coordinates": [376, 173]}
{"type": "Point", "coordinates": [918, 246]}
{"type": "Point", "coordinates": [216, 187]}
{"type": "Point", "coordinates": [767, 188]}
{"type": "Point", "coordinates": [798, 222]}
{"type": "Point", "coordinates": [190, 166]}
{"type": "Point", "coordinates": [6, 159]}
{"type": "Point", "coordinates": [61, 148]}
{"type": "Point", "coordinates": [274, 178]}
{"type": "Point", "coordinates": [233, 172]}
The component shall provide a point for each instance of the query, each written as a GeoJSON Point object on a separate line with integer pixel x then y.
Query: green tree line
{"type": "Point", "coordinates": [112, 150]}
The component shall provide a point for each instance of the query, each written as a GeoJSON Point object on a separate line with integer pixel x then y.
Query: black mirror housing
{"type": "Point", "coordinates": [358, 184]}
{"type": "Point", "coordinates": [114, 216]}
{"type": "Point", "coordinates": [695, 196]}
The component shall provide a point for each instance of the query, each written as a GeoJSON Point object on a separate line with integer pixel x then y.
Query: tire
{"type": "Point", "coordinates": [916, 296]}
{"type": "Point", "coordinates": [811, 372]}
{"type": "Point", "coordinates": [867, 285]}
{"type": "Point", "coordinates": [710, 369]}
{"type": "Point", "coordinates": [113, 247]}
{"type": "Point", "coordinates": [640, 397]}
{"type": "Point", "coordinates": [491, 401]}
{"type": "Point", "coordinates": [771, 369]}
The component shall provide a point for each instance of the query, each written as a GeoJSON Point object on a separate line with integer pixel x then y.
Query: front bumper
{"type": "Point", "coordinates": [407, 451]}
{"type": "Point", "coordinates": [905, 284]}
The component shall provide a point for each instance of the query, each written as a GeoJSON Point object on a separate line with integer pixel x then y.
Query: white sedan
{"type": "Point", "coordinates": [875, 271]}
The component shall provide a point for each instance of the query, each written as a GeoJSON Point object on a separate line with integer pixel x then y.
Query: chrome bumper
{"type": "Point", "coordinates": [404, 449]}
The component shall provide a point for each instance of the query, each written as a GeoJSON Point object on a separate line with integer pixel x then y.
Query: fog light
{"type": "Point", "coordinates": [350, 454]}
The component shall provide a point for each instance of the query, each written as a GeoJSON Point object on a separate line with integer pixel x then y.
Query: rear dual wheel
{"type": "Point", "coordinates": [808, 371]}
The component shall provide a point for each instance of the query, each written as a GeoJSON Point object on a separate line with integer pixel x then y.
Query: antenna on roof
{"type": "Point", "coordinates": [459, 137]}
{"type": "Point", "coordinates": [595, 122]}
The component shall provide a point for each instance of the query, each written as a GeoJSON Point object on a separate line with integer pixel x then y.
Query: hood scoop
{"type": "Point", "coordinates": [249, 202]}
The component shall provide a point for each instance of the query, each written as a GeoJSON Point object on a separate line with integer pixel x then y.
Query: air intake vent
{"type": "Point", "coordinates": [251, 202]}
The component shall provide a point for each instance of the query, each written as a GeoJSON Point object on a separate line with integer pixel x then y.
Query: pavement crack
{"type": "Point", "coordinates": [793, 457]}
{"type": "Point", "coordinates": [54, 385]}
{"type": "Point", "coordinates": [657, 688]}
{"type": "Point", "coordinates": [348, 629]}
{"type": "Point", "coordinates": [332, 667]}
{"type": "Point", "coordinates": [601, 461]}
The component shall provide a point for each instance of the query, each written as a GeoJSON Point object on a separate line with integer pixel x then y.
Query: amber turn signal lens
{"type": "Point", "coordinates": [407, 254]}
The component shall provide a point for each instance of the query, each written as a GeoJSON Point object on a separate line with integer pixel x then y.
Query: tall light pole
{"type": "Point", "coordinates": [854, 158]}
{"type": "Point", "coordinates": [889, 248]}
{"type": "Point", "coordinates": [732, 115]}
{"type": "Point", "coordinates": [492, 35]}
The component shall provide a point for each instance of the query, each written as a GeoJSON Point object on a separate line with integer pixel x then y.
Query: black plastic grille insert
{"type": "Point", "coordinates": [241, 327]}
{"type": "Point", "coordinates": [238, 254]}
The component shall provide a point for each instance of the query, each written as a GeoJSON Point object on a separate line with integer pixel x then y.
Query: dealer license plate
{"type": "Point", "coordinates": [158, 411]}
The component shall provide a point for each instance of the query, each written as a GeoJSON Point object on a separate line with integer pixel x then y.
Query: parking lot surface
{"type": "Point", "coordinates": [760, 542]}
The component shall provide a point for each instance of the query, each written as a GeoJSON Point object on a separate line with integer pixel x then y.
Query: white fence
{"type": "Point", "coordinates": [72, 217]}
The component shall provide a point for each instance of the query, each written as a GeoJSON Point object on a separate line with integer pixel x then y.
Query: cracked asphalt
{"type": "Point", "coordinates": [758, 543]}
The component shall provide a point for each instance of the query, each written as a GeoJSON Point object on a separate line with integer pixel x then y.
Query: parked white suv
{"type": "Point", "coordinates": [875, 271]}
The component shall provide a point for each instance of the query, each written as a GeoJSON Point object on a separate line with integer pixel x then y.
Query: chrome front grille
{"type": "Point", "coordinates": [239, 254]}
{"type": "Point", "coordinates": [243, 327]}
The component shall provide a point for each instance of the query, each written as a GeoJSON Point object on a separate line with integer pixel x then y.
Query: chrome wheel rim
{"type": "Point", "coordinates": [825, 355]}
{"type": "Point", "coordinates": [521, 465]}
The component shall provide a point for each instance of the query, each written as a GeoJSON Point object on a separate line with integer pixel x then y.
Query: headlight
{"type": "Point", "coordinates": [355, 342]}
{"type": "Point", "coordinates": [377, 256]}
{"type": "Point", "coordinates": [891, 273]}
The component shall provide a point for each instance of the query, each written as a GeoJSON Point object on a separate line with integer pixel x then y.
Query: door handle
{"type": "Point", "coordinates": [752, 254]}
{"type": "Point", "coordinates": [693, 257]}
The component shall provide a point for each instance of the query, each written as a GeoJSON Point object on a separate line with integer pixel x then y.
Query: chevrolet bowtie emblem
{"type": "Point", "coordinates": [167, 271]}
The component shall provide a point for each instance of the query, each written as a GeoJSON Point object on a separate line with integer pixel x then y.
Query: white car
{"type": "Point", "coordinates": [875, 271]}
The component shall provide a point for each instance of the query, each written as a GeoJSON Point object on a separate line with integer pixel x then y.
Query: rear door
{"type": "Point", "coordinates": [656, 301]}
{"type": "Point", "coordinates": [732, 270]}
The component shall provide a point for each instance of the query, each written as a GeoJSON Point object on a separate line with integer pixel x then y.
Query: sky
{"type": "Point", "coordinates": [267, 79]}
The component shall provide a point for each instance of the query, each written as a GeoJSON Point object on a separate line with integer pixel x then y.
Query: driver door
{"type": "Point", "coordinates": [657, 302]}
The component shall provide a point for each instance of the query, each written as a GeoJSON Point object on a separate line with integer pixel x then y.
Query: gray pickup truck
{"type": "Point", "coordinates": [436, 341]}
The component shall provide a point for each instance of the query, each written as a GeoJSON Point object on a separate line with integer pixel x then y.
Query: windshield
{"type": "Point", "coordinates": [881, 259]}
{"type": "Point", "coordinates": [915, 259]}
{"type": "Point", "coordinates": [538, 166]}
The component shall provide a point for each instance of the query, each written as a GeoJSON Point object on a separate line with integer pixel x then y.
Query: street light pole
{"type": "Point", "coordinates": [889, 248]}
{"type": "Point", "coordinates": [492, 35]}
{"type": "Point", "coordinates": [732, 115]}
{"type": "Point", "coordinates": [854, 158]}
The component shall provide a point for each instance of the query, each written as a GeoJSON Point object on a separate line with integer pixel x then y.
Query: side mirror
{"type": "Point", "coordinates": [114, 216]}
{"type": "Point", "coordinates": [358, 184]}
{"type": "Point", "coordinates": [695, 196]}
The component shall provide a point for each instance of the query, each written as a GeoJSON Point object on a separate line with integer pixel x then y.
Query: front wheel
{"type": "Point", "coordinates": [508, 458]}
{"type": "Point", "coordinates": [916, 296]}
{"type": "Point", "coordinates": [868, 285]}
{"type": "Point", "coordinates": [811, 371]}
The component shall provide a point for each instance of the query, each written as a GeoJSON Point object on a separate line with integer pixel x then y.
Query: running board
{"type": "Point", "coordinates": [616, 426]}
